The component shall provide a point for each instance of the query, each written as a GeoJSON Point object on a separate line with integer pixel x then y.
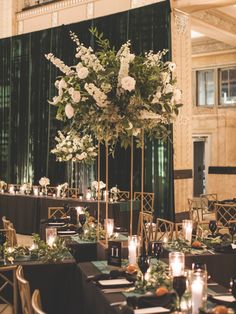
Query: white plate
{"type": "Point", "coordinates": [226, 298]}
{"type": "Point", "coordinates": [151, 310]}
{"type": "Point", "coordinates": [56, 223]}
{"type": "Point", "coordinates": [114, 282]}
{"type": "Point", "coordinates": [66, 232]}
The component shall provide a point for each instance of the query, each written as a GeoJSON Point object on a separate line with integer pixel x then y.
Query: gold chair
{"type": "Point", "coordinates": [123, 195]}
{"type": "Point", "coordinates": [145, 222]}
{"type": "Point", "coordinates": [8, 278]}
{"type": "Point", "coordinates": [148, 200]}
{"type": "Point", "coordinates": [56, 212]}
{"type": "Point", "coordinates": [10, 232]}
{"type": "Point", "coordinates": [73, 192]}
{"type": "Point", "coordinates": [24, 290]}
{"type": "Point", "coordinates": [207, 205]}
{"type": "Point", "coordinates": [164, 230]}
{"type": "Point", "coordinates": [36, 303]}
{"type": "Point", "coordinates": [225, 212]}
{"type": "Point", "coordinates": [195, 209]}
{"type": "Point", "coordinates": [51, 190]}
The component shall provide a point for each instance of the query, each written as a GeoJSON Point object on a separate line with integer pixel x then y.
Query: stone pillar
{"type": "Point", "coordinates": [183, 147]}
{"type": "Point", "coordinates": [7, 20]}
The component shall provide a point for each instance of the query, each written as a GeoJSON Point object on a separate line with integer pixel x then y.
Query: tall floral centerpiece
{"type": "Point", "coordinates": [44, 182]}
{"type": "Point", "coordinates": [116, 96]}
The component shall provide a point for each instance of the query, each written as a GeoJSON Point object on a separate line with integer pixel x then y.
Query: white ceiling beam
{"type": "Point", "coordinates": [213, 31]}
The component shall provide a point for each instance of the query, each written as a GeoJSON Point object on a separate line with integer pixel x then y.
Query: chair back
{"type": "Point", "coordinates": [56, 212]}
{"type": "Point", "coordinates": [195, 209]}
{"type": "Point", "coordinates": [8, 279]}
{"type": "Point", "coordinates": [225, 212]}
{"type": "Point", "coordinates": [73, 192]}
{"type": "Point", "coordinates": [10, 232]}
{"type": "Point", "coordinates": [123, 195]}
{"type": "Point", "coordinates": [164, 229]}
{"type": "Point", "coordinates": [36, 303]}
{"type": "Point", "coordinates": [51, 190]}
{"type": "Point", "coordinates": [24, 290]}
{"type": "Point", "coordinates": [148, 200]}
{"type": "Point", "coordinates": [145, 222]}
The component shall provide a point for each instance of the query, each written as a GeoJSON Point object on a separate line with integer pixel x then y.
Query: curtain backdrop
{"type": "Point", "coordinates": [27, 121]}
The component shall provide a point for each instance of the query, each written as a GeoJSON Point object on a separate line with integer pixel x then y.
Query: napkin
{"type": "Point", "coordinates": [224, 298]}
{"type": "Point", "coordinates": [150, 310]}
{"type": "Point", "coordinates": [151, 301]}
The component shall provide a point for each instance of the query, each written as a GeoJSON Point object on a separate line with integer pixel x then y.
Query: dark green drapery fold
{"type": "Point", "coordinates": [27, 121]}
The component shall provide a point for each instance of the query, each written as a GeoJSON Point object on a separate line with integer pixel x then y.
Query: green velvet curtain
{"type": "Point", "coordinates": [27, 121]}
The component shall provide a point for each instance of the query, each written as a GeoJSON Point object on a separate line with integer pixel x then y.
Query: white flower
{"type": "Point", "coordinates": [136, 132]}
{"type": "Point", "coordinates": [82, 72]}
{"type": "Point", "coordinates": [94, 185]}
{"type": "Point", "coordinates": [128, 83]}
{"type": "Point", "coordinates": [55, 100]}
{"type": "Point", "coordinates": [76, 96]}
{"type": "Point", "coordinates": [114, 189]}
{"type": "Point", "coordinates": [168, 89]}
{"type": "Point", "coordinates": [69, 111]}
{"type": "Point", "coordinates": [177, 95]}
{"type": "Point", "coordinates": [165, 77]}
{"type": "Point", "coordinates": [62, 84]}
{"type": "Point", "coordinates": [171, 66]}
{"type": "Point", "coordinates": [82, 156]}
{"type": "Point", "coordinates": [44, 181]}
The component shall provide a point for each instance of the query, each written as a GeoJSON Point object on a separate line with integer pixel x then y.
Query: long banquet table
{"type": "Point", "coordinates": [26, 211]}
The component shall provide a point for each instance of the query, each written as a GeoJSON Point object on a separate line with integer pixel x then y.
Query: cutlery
{"type": "Point", "coordinates": [116, 290]}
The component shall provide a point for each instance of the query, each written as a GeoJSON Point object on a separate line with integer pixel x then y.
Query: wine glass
{"type": "Point", "coordinates": [179, 285]}
{"type": "Point", "coordinates": [212, 227]}
{"type": "Point", "coordinates": [198, 266]}
{"type": "Point", "coordinates": [233, 286]}
{"type": "Point", "coordinates": [143, 263]}
{"type": "Point", "coordinates": [158, 249]}
{"type": "Point", "coordinates": [232, 230]}
{"type": "Point", "coordinates": [82, 219]}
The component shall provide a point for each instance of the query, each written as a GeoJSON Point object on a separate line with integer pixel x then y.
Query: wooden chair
{"type": "Point", "coordinates": [36, 303]}
{"type": "Point", "coordinates": [148, 200]}
{"type": "Point", "coordinates": [10, 232]}
{"type": "Point", "coordinates": [73, 192]}
{"type": "Point", "coordinates": [51, 190]}
{"type": "Point", "coordinates": [164, 229]}
{"type": "Point", "coordinates": [207, 205]}
{"type": "Point", "coordinates": [225, 212]}
{"type": "Point", "coordinates": [56, 212]}
{"type": "Point", "coordinates": [145, 222]}
{"type": "Point", "coordinates": [24, 290]}
{"type": "Point", "coordinates": [123, 195]}
{"type": "Point", "coordinates": [8, 279]}
{"type": "Point", "coordinates": [195, 209]}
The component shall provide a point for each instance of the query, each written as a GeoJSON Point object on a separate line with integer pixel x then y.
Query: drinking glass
{"type": "Point", "coordinates": [179, 285]}
{"type": "Point", "coordinates": [82, 219]}
{"type": "Point", "coordinates": [213, 227]}
{"type": "Point", "coordinates": [198, 266]}
{"type": "Point", "coordinates": [143, 263]}
{"type": "Point", "coordinates": [155, 248]}
{"type": "Point", "coordinates": [233, 286]}
{"type": "Point", "coordinates": [232, 230]}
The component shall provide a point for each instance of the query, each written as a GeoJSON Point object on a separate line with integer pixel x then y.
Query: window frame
{"type": "Point", "coordinates": [196, 87]}
{"type": "Point", "coordinates": [219, 69]}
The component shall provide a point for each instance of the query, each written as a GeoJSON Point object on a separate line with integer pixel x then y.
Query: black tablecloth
{"type": "Point", "coordinates": [26, 212]}
{"type": "Point", "coordinates": [220, 266]}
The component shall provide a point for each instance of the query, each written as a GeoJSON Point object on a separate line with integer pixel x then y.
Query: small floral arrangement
{"type": "Point", "coordinates": [44, 181]}
{"type": "Point", "coordinates": [3, 185]}
{"type": "Point", "coordinates": [26, 187]}
{"type": "Point", "coordinates": [114, 190]}
{"type": "Point", "coordinates": [94, 185]}
{"type": "Point", "coordinates": [73, 147]}
{"type": "Point", "coordinates": [114, 95]}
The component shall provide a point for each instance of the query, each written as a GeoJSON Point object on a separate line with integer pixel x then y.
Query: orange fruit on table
{"type": "Point", "coordinates": [196, 244]}
{"type": "Point", "coordinates": [131, 268]}
{"type": "Point", "coordinates": [220, 309]}
{"type": "Point", "coordinates": [161, 291]}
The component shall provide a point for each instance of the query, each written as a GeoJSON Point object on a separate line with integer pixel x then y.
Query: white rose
{"type": "Point", "coordinates": [128, 83]}
{"type": "Point", "coordinates": [82, 72]}
{"type": "Point", "coordinates": [71, 90]}
{"type": "Point", "coordinates": [177, 95]}
{"type": "Point", "coordinates": [165, 77]}
{"type": "Point", "coordinates": [76, 96]}
{"type": "Point", "coordinates": [172, 66]}
{"type": "Point", "coordinates": [168, 89]}
{"type": "Point", "coordinates": [62, 84]}
{"type": "Point", "coordinates": [69, 111]}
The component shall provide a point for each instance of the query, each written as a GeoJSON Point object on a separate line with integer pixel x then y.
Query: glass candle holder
{"type": "Point", "coordinates": [58, 191]}
{"type": "Point", "coordinates": [51, 235]}
{"type": "Point", "coordinates": [133, 248]}
{"type": "Point", "coordinates": [109, 226]}
{"type": "Point", "coordinates": [187, 230]}
{"type": "Point", "coordinates": [11, 189]}
{"type": "Point", "coordinates": [176, 263]}
{"type": "Point", "coordinates": [36, 191]}
{"type": "Point", "coordinates": [198, 290]}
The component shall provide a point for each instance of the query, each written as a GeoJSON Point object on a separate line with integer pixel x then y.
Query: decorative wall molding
{"type": "Point", "coordinates": [20, 27]}
{"type": "Point", "coordinates": [51, 7]}
{"type": "Point", "coordinates": [90, 10]}
{"type": "Point", "coordinates": [181, 21]}
{"type": "Point", "coordinates": [140, 3]}
{"type": "Point", "coordinates": [208, 45]}
{"type": "Point", "coordinates": [54, 19]}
